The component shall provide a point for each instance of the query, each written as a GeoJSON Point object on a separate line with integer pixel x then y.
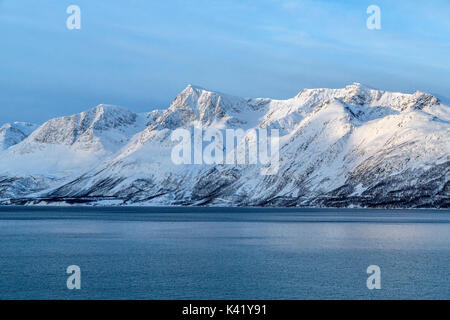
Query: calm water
{"type": "Point", "coordinates": [212, 253]}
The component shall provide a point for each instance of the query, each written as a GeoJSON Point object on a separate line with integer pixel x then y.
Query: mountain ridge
{"type": "Point", "coordinates": [349, 147]}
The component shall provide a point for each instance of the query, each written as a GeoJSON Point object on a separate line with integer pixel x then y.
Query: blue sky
{"type": "Point", "coordinates": [140, 54]}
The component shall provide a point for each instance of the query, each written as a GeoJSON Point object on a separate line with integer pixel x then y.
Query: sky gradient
{"type": "Point", "coordinates": [140, 54]}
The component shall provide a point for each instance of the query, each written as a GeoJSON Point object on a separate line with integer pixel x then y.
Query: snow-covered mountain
{"type": "Point", "coordinates": [354, 146]}
{"type": "Point", "coordinates": [12, 134]}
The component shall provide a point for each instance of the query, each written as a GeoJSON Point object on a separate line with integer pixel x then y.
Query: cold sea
{"type": "Point", "coordinates": [223, 253]}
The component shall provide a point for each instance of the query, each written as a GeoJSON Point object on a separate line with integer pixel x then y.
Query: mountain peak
{"type": "Point", "coordinates": [358, 85]}
{"type": "Point", "coordinates": [13, 133]}
{"type": "Point", "coordinates": [202, 90]}
{"type": "Point", "coordinates": [106, 115]}
{"type": "Point", "coordinates": [200, 106]}
{"type": "Point", "coordinates": [107, 108]}
{"type": "Point", "coordinates": [195, 87]}
{"type": "Point", "coordinates": [83, 128]}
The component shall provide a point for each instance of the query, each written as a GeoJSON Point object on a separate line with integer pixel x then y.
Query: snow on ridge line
{"type": "Point", "coordinates": [350, 146]}
{"type": "Point", "coordinates": [196, 105]}
{"type": "Point", "coordinates": [321, 92]}
{"type": "Point", "coordinates": [13, 133]}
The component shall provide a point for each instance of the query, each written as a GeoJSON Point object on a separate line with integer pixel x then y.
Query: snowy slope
{"type": "Point", "coordinates": [12, 134]}
{"type": "Point", "coordinates": [62, 148]}
{"type": "Point", "coordinates": [354, 146]}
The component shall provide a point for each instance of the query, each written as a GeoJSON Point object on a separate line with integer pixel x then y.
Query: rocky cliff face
{"type": "Point", "coordinates": [347, 147]}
